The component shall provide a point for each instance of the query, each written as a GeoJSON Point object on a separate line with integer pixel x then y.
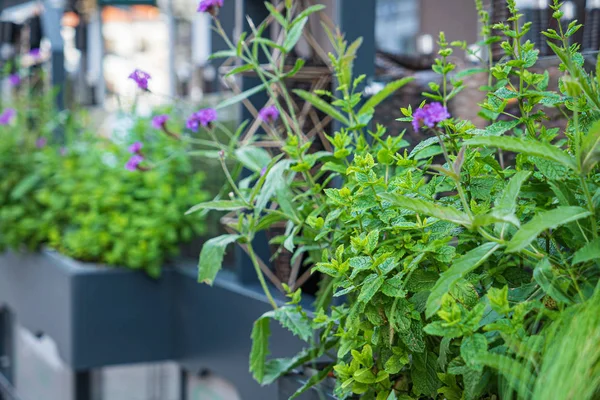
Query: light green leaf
{"type": "Point", "coordinates": [495, 217]}
{"type": "Point", "coordinates": [543, 221]}
{"type": "Point", "coordinates": [370, 286]}
{"type": "Point", "coordinates": [295, 321]}
{"type": "Point", "coordinates": [308, 11]}
{"type": "Point", "coordinates": [276, 14]}
{"type": "Point", "coordinates": [526, 146]}
{"type": "Point", "coordinates": [252, 157]}
{"type": "Point", "coordinates": [239, 70]}
{"type": "Point", "coordinates": [458, 270]}
{"type": "Point", "coordinates": [219, 205]}
{"type": "Point", "coordinates": [25, 186]}
{"type": "Point", "coordinates": [260, 346]}
{"type": "Point", "coordinates": [508, 201]}
{"type": "Point", "coordinates": [321, 105]}
{"type": "Point", "coordinates": [387, 91]}
{"type": "Point", "coordinates": [294, 34]}
{"type": "Point", "coordinates": [495, 129]}
{"type": "Point", "coordinates": [518, 376]}
{"type": "Point", "coordinates": [428, 208]}
{"type": "Point", "coordinates": [211, 257]}
{"type": "Point", "coordinates": [275, 180]}
{"type": "Point", "coordinates": [222, 54]}
{"type": "Point", "coordinates": [590, 251]}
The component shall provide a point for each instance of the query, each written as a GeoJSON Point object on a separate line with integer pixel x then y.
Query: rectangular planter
{"type": "Point", "coordinates": [96, 315]}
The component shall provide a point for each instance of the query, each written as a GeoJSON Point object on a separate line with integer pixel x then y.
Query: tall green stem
{"type": "Point", "coordinates": [259, 274]}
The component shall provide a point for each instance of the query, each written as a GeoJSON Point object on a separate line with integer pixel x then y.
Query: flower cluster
{"type": "Point", "coordinates": [140, 78]}
{"type": "Point", "coordinates": [269, 114]}
{"type": "Point", "coordinates": [210, 6]}
{"type": "Point", "coordinates": [160, 121]}
{"type": "Point", "coordinates": [203, 117]}
{"type": "Point", "coordinates": [133, 164]}
{"type": "Point", "coordinates": [429, 115]}
{"type": "Point", "coordinates": [41, 142]}
{"type": "Point", "coordinates": [7, 116]}
{"type": "Point", "coordinates": [14, 79]}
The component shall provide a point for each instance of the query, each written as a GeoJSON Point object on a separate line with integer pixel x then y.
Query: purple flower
{"type": "Point", "coordinates": [134, 162]}
{"type": "Point", "coordinates": [263, 171]}
{"type": "Point", "coordinates": [135, 148]}
{"type": "Point", "coordinates": [141, 78]}
{"type": "Point", "coordinates": [63, 151]}
{"type": "Point", "coordinates": [203, 117]}
{"type": "Point", "coordinates": [14, 79]}
{"type": "Point", "coordinates": [7, 116]}
{"type": "Point", "coordinates": [429, 115]}
{"type": "Point", "coordinates": [210, 6]}
{"type": "Point", "coordinates": [269, 114]}
{"type": "Point", "coordinates": [41, 142]}
{"type": "Point", "coordinates": [35, 53]}
{"type": "Point", "coordinates": [160, 121]}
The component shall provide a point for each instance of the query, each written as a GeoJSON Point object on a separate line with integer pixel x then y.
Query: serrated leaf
{"type": "Point", "coordinates": [472, 347]}
{"type": "Point", "coordinates": [218, 205]}
{"type": "Point", "coordinates": [321, 105]}
{"type": "Point", "coordinates": [260, 346]}
{"type": "Point", "coordinates": [496, 129]}
{"type": "Point", "coordinates": [590, 251]}
{"type": "Point", "coordinates": [540, 222]}
{"type": "Point", "coordinates": [423, 144]}
{"type": "Point", "coordinates": [526, 146]}
{"type": "Point", "coordinates": [295, 321]}
{"type": "Point", "coordinates": [370, 286]}
{"type": "Point", "coordinates": [312, 381]}
{"type": "Point", "coordinates": [424, 374]}
{"type": "Point", "coordinates": [383, 94]}
{"type": "Point", "coordinates": [252, 157]}
{"type": "Point", "coordinates": [428, 208]}
{"type": "Point", "coordinates": [508, 201]}
{"type": "Point", "coordinates": [211, 257]}
{"type": "Point", "coordinates": [461, 266]}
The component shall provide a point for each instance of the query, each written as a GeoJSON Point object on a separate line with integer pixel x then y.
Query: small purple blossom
{"type": "Point", "coordinates": [203, 117]}
{"type": "Point", "coordinates": [63, 151]}
{"type": "Point", "coordinates": [263, 171]}
{"type": "Point", "coordinates": [35, 53]}
{"type": "Point", "coordinates": [210, 6]}
{"type": "Point", "coordinates": [14, 79]}
{"type": "Point", "coordinates": [160, 121]}
{"type": "Point", "coordinates": [269, 114]}
{"type": "Point", "coordinates": [429, 115]}
{"type": "Point", "coordinates": [134, 162]}
{"type": "Point", "coordinates": [7, 116]}
{"type": "Point", "coordinates": [41, 142]}
{"type": "Point", "coordinates": [135, 148]}
{"type": "Point", "coordinates": [141, 78]}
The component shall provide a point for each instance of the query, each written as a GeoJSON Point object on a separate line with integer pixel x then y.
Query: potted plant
{"type": "Point", "coordinates": [464, 277]}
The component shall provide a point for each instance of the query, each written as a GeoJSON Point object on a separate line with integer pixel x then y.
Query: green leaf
{"type": "Point", "coordinates": [219, 205]}
{"type": "Point", "coordinates": [276, 14]}
{"type": "Point", "coordinates": [294, 34]}
{"type": "Point", "coordinates": [428, 208]}
{"type": "Point", "coordinates": [424, 374]}
{"type": "Point", "coordinates": [508, 201]}
{"type": "Point", "coordinates": [25, 186]}
{"type": "Point", "coordinates": [252, 157]}
{"type": "Point", "coordinates": [274, 182]}
{"type": "Point", "coordinates": [543, 221]}
{"type": "Point", "coordinates": [526, 146]}
{"type": "Point", "coordinates": [321, 105]}
{"type": "Point", "coordinates": [387, 91]}
{"type": "Point", "coordinates": [260, 346]}
{"type": "Point", "coordinates": [222, 54]}
{"type": "Point", "coordinates": [548, 281]}
{"type": "Point", "coordinates": [371, 285]}
{"type": "Point", "coordinates": [211, 257]}
{"type": "Point", "coordinates": [590, 149]}
{"type": "Point", "coordinates": [472, 347]}
{"type": "Point", "coordinates": [239, 97]}
{"type": "Point", "coordinates": [518, 376]}
{"type": "Point", "coordinates": [590, 251]}
{"type": "Point", "coordinates": [458, 270]}
{"type": "Point", "coordinates": [469, 71]}
{"type": "Point", "coordinates": [239, 69]}
{"type": "Point", "coordinates": [295, 321]}
{"type": "Point", "coordinates": [308, 11]}
{"type": "Point", "coordinates": [314, 380]}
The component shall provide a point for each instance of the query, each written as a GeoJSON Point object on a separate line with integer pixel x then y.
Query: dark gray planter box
{"type": "Point", "coordinates": [97, 315]}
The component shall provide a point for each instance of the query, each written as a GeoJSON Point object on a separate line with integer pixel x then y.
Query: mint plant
{"type": "Point", "coordinates": [462, 271]}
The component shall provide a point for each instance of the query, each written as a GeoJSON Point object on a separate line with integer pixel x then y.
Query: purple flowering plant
{"type": "Point", "coordinates": [141, 78]}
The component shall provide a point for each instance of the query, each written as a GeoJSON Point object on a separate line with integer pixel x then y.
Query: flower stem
{"type": "Point", "coordinates": [259, 274]}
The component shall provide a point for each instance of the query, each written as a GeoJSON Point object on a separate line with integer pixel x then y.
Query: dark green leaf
{"type": "Point", "coordinates": [428, 208]}
{"type": "Point", "coordinates": [295, 321]}
{"type": "Point", "coordinates": [321, 105]}
{"type": "Point", "coordinates": [260, 346]}
{"type": "Point", "coordinates": [590, 251]}
{"type": "Point", "coordinates": [211, 257]}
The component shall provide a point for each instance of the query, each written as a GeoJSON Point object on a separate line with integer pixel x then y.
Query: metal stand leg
{"type": "Point", "coordinates": [7, 391]}
{"type": "Point", "coordinates": [83, 389]}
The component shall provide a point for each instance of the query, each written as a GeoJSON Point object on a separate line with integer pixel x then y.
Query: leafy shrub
{"type": "Point", "coordinates": [462, 274]}
{"type": "Point", "coordinates": [79, 199]}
